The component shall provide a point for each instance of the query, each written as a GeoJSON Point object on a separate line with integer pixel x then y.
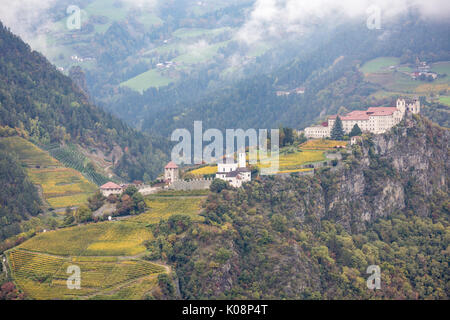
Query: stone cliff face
{"type": "Point", "coordinates": [391, 172]}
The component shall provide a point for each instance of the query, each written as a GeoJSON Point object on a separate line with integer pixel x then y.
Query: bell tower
{"type": "Point", "coordinates": [401, 105]}
{"type": "Point", "coordinates": [242, 160]}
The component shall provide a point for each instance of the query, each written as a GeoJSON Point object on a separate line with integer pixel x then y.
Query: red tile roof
{"type": "Point", "coordinates": [110, 185]}
{"type": "Point", "coordinates": [171, 165]}
{"type": "Point", "coordinates": [381, 111]}
{"type": "Point", "coordinates": [364, 115]}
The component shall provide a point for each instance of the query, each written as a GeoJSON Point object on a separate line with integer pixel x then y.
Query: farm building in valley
{"type": "Point", "coordinates": [110, 188]}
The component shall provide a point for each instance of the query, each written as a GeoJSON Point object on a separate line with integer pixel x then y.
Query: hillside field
{"type": "Point", "coordinates": [28, 153]}
{"type": "Point", "coordinates": [163, 208]}
{"type": "Point", "coordinates": [379, 64]}
{"type": "Point", "coordinates": [109, 254]}
{"type": "Point", "coordinates": [445, 100]}
{"type": "Point", "coordinates": [61, 187]}
{"type": "Point", "coordinates": [44, 276]}
{"type": "Point", "coordinates": [322, 144]}
{"type": "Point", "coordinates": [396, 82]}
{"type": "Point", "coordinates": [151, 78]}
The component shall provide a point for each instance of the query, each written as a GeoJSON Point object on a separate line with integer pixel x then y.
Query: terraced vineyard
{"type": "Point", "coordinates": [120, 238]}
{"type": "Point", "coordinates": [62, 187]}
{"type": "Point", "coordinates": [294, 162]}
{"type": "Point", "coordinates": [107, 253]}
{"type": "Point", "coordinates": [322, 144]}
{"type": "Point", "coordinates": [163, 208]}
{"type": "Point", "coordinates": [28, 153]}
{"type": "Point", "coordinates": [71, 157]}
{"type": "Point", "coordinates": [204, 170]}
{"type": "Point", "coordinates": [43, 276]}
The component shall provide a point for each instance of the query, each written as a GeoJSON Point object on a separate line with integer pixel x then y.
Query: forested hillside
{"type": "Point", "coordinates": [19, 199]}
{"type": "Point", "coordinates": [314, 237]}
{"type": "Point", "coordinates": [47, 107]}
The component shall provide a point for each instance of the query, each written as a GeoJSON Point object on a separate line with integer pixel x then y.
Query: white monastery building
{"type": "Point", "coordinates": [234, 173]}
{"type": "Point", "coordinates": [375, 120]}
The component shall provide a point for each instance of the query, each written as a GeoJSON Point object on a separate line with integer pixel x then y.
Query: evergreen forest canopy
{"type": "Point", "coordinates": [19, 199]}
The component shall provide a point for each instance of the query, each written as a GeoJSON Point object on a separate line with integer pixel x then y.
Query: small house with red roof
{"type": "Point", "coordinates": [171, 172]}
{"type": "Point", "coordinates": [111, 188]}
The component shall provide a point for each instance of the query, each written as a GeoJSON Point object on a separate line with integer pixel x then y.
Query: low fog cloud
{"type": "Point", "coordinates": [142, 3]}
{"type": "Point", "coordinates": [28, 19]}
{"type": "Point", "coordinates": [267, 18]}
{"type": "Point", "coordinates": [271, 18]}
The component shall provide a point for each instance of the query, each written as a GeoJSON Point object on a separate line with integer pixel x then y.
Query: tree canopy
{"type": "Point", "coordinates": [356, 131]}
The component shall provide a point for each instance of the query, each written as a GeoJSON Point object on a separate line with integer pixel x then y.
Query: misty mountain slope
{"type": "Point", "coordinates": [330, 74]}
{"type": "Point", "coordinates": [314, 237]}
{"type": "Point", "coordinates": [48, 108]}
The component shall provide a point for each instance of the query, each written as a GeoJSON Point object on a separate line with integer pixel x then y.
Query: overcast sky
{"type": "Point", "coordinates": [273, 17]}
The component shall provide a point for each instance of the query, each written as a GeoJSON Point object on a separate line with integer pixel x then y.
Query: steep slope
{"type": "Point", "coordinates": [36, 183]}
{"type": "Point", "coordinates": [19, 199]}
{"type": "Point", "coordinates": [314, 237]}
{"type": "Point", "coordinates": [48, 108]}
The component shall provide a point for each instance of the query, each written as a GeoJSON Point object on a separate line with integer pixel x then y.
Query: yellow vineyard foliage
{"type": "Point", "coordinates": [62, 187]}
{"type": "Point", "coordinates": [107, 239]}
{"type": "Point", "coordinates": [163, 208]}
{"type": "Point", "coordinates": [28, 153]}
{"type": "Point", "coordinates": [204, 170]}
{"type": "Point", "coordinates": [42, 276]}
{"type": "Point", "coordinates": [294, 161]}
{"type": "Point", "coordinates": [322, 144]}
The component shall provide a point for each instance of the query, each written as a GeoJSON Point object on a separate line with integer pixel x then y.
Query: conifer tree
{"type": "Point", "coordinates": [337, 133]}
{"type": "Point", "coordinates": [356, 131]}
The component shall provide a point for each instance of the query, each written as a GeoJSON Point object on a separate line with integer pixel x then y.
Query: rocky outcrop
{"type": "Point", "coordinates": [390, 172]}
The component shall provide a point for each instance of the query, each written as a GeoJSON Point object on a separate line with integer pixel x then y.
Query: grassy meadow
{"type": "Point", "coordinates": [396, 82]}
{"type": "Point", "coordinates": [378, 65]}
{"type": "Point", "coordinates": [445, 100]}
{"type": "Point", "coordinates": [151, 78]}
